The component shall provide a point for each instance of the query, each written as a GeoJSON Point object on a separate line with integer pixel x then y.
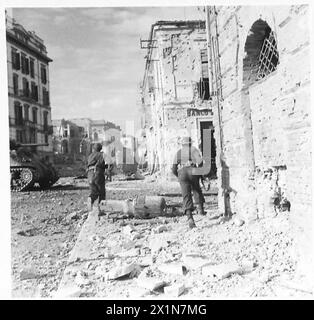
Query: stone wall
{"type": "Point", "coordinates": [266, 124]}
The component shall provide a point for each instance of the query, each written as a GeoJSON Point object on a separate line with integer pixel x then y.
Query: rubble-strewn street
{"type": "Point", "coordinates": [152, 258]}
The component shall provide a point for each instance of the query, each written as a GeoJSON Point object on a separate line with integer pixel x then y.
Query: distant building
{"type": "Point", "coordinates": [67, 138]}
{"type": "Point", "coordinates": [75, 137]}
{"type": "Point", "coordinates": [28, 87]}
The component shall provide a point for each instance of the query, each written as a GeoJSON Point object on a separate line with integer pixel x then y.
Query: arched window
{"type": "Point", "coordinates": [261, 54]}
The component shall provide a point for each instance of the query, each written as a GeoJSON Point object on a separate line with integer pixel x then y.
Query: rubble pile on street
{"type": "Point", "coordinates": [160, 257]}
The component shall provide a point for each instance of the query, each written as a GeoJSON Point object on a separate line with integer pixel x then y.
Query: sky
{"type": "Point", "coordinates": [98, 64]}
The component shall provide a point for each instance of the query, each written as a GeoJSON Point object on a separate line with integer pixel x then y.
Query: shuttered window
{"type": "Point", "coordinates": [45, 97]}
{"type": "Point", "coordinates": [25, 88]}
{"type": "Point", "coordinates": [26, 111]}
{"type": "Point", "coordinates": [34, 91]}
{"type": "Point", "coordinates": [203, 85]}
{"type": "Point", "coordinates": [34, 113]}
{"type": "Point", "coordinates": [32, 67]}
{"type": "Point", "coordinates": [15, 56]}
{"type": "Point", "coordinates": [15, 83]}
{"type": "Point", "coordinates": [43, 74]}
{"type": "Point", "coordinates": [18, 114]}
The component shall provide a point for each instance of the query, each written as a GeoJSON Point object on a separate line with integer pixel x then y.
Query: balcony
{"type": "Point", "coordinates": [19, 122]}
{"type": "Point", "coordinates": [27, 95]}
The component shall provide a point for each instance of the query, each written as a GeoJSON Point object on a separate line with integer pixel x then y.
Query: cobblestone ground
{"type": "Point", "coordinates": [46, 224]}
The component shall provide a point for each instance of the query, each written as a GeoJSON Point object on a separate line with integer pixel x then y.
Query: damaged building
{"type": "Point", "coordinates": [257, 100]}
{"type": "Point", "coordinates": [175, 92]}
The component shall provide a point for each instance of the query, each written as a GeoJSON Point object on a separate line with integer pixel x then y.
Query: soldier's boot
{"type": "Point", "coordinates": [191, 222]}
{"type": "Point", "coordinates": [89, 204]}
{"type": "Point", "coordinates": [200, 209]}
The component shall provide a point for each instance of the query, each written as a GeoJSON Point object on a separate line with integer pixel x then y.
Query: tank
{"type": "Point", "coordinates": [27, 168]}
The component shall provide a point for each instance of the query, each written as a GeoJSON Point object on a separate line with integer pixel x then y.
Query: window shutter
{"type": "Point", "coordinates": [27, 66]}
{"type": "Point", "coordinates": [17, 59]}
{"type": "Point", "coordinates": [13, 58]}
{"type": "Point", "coordinates": [31, 64]}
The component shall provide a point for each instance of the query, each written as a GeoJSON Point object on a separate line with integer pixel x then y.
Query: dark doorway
{"type": "Point", "coordinates": [208, 146]}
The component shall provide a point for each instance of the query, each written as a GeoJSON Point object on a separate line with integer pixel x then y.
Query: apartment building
{"type": "Point", "coordinates": [28, 87]}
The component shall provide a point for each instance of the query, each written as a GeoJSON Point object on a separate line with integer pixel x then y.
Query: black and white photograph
{"type": "Point", "coordinates": [157, 151]}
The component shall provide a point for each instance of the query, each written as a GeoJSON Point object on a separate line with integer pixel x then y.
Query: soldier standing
{"type": "Point", "coordinates": [186, 159]}
{"type": "Point", "coordinates": [96, 176]}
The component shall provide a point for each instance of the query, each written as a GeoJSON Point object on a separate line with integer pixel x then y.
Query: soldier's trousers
{"type": "Point", "coordinates": [97, 187]}
{"type": "Point", "coordinates": [190, 184]}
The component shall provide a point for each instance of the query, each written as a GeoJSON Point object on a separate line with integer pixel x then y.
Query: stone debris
{"type": "Point", "coordinates": [160, 229]}
{"type": "Point", "coordinates": [174, 290]}
{"type": "Point", "coordinates": [172, 268]}
{"type": "Point", "coordinates": [148, 280]}
{"type": "Point", "coordinates": [68, 292]}
{"type": "Point", "coordinates": [221, 271]}
{"type": "Point", "coordinates": [127, 230]}
{"type": "Point", "coordinates": [81, 279]}
{"type": "Point", "coordinates": [134, 252]}
{"type": "Point", "coordinates": [248, 265]}
{"type": "Point", "coordinates": [72, 216]}
{"type": "Point", "coordinates": [146, 261]}
{"type": "Point", "coordinates": [138, 292]}
{"type": "Point", "coordinates": [121, 271]}
{"type": "Point", "coordinates": [151, 284]}
{"type": "Point", "coordinates": [195, 261]}
{"type": "Point", "coordinates": [157, 243]}
{"type": "Point", "coordinates": [238, 222]}
{"type": "Point", "coordinates": [135, 236]}
{"type": "Point", "coordinates": [28, 273]}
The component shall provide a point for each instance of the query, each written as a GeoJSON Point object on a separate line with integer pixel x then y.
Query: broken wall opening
{"type": "Point", "coordinates": [261, 54]}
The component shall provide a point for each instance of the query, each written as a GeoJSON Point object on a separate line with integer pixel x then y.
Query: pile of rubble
{"type": "Point", "coordinates": [165, 259]}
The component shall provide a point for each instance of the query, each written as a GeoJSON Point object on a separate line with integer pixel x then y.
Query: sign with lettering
{"type": "Point", "coordinates": [199, 112]}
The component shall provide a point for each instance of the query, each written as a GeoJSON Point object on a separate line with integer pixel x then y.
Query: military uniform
{"type": "Point", "coordinates": [186, 159]}
{"type": "Point", "coordinates": [96, 177]}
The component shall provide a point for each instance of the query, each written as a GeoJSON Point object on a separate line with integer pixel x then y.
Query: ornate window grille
{"type": "Point", "coordinates": [269, 57]}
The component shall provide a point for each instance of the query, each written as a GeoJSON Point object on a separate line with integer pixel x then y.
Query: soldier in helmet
{"type": "Point", "coordinates": [96, 176]}
{"type": "Point", "coordinates": [186, 159]}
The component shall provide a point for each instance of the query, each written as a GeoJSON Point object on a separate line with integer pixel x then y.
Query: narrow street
{"type": "Point", "coordinates": [217, 259]}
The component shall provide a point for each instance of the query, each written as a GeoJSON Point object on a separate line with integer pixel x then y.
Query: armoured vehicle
{"type": "Point", "coordinates": [27, 168]}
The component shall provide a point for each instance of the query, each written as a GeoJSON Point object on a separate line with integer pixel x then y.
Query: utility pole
{"type": "Point", "coordinates": [216, 93]}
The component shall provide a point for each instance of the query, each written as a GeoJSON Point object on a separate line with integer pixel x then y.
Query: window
{"type": "Point", "coordinates": [261, 55]}
{"type": "Point", "coordinates": [45, 114]}
{"type": "Point", "coordinates": [26, 111]}
{"type": "Point", "coordinates": [18, 114]}
{"type": "Point", "coordinates": [15, 56]}
{"type": "Point", "coordinates": [25, 64]}
{"type": "Point", "coordinates": [34, 111]}
{"type": "Point", "coordinates": [15, 83]}
{"type": "Point", "coordinates": [34, 91]}
{"type": "Point", "coordinates": [43, 74]}
{"type": "Point", "coordinates": [45, 97]}
{"type": "Point", "coordinates": [25, 88]}
{"type": "Point", "coordinates": [203, 85]}
{"type": "Point", "coordinates": [32, 67]}
{"type": "Point", "coordinates": [46, 137]}
{"type": "Point", "coordinates": [33, 135]}
{"type": "Point", "coordinates": [72, 133]}
{"type": "Point", "coordinates": [19, 136]}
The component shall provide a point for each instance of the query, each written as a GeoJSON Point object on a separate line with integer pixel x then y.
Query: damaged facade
{"type": "Point", "coordinates": [175, 92]}
{"type": "Point", "coordinates": [67, 137]}
{"type": "Point", "coordinates": [73, 139]}
{"type": "Point", "coordinates": [28, 88]}
{"type": "Point", "coordinates": [259, 91]}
